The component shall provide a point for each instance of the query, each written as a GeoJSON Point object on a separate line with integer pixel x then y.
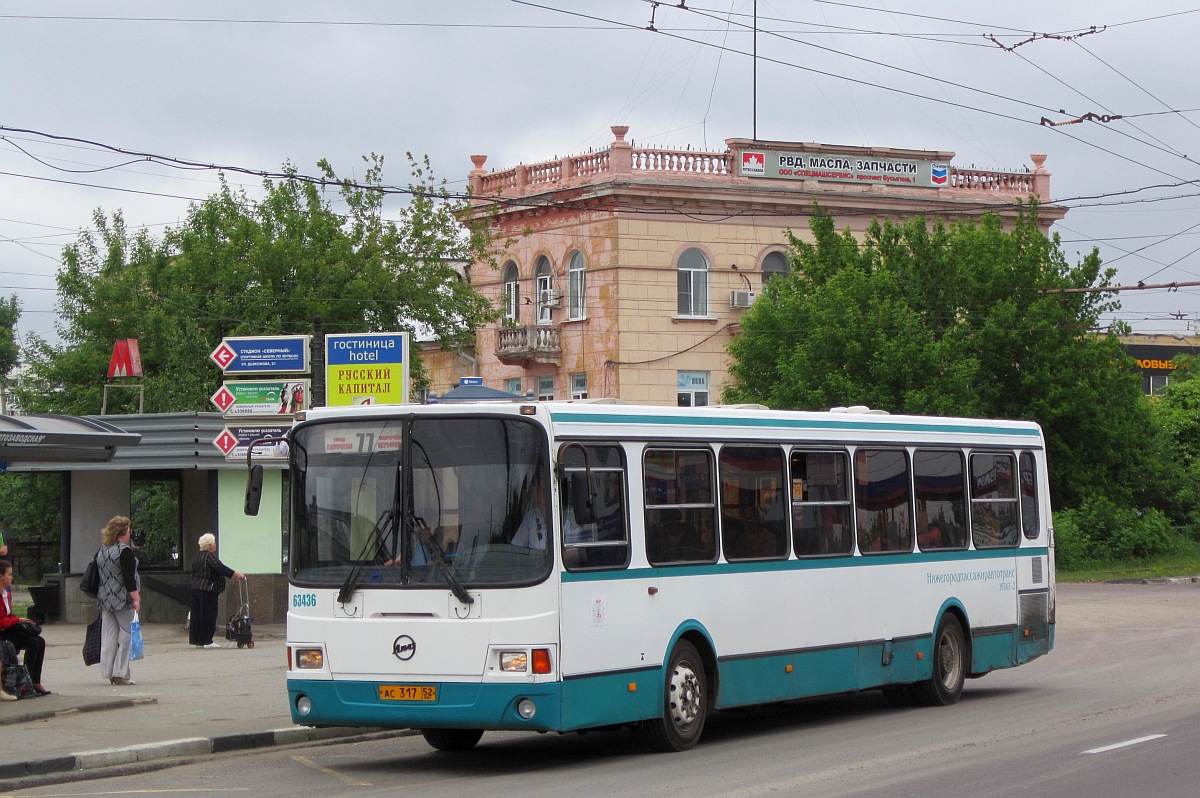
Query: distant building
{"type": "Point", "coordinates": [628, 269]}
{"type": "Point", "coordinates": [1154, 354]}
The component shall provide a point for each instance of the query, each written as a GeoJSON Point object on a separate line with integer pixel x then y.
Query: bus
{"type": "Point", "coordinates": [570, 566]}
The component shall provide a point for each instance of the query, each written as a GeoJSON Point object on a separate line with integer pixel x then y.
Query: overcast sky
{"type": "Point", "coordinates": [256, 84]}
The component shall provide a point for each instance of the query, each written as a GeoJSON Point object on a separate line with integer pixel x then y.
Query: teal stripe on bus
{"type": "Point", "coordinates": [791, 423]}
{"type": "Point", "coordinates": [816, 563]}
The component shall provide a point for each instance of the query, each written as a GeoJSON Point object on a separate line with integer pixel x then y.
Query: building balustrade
{"type": "Point", "coordinates": [623, 161]}
{"type": "Point", "coordinates": [519, 345]}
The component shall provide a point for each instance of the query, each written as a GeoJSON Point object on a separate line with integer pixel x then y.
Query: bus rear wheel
{"type": "Point", "coordinates": [685, 705]}
{"type": "Point", "coordinates": [452, 739]}
{"type": "Point", "coordinates": [949, 666]}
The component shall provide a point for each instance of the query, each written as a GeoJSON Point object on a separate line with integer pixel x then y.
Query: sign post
{"type": "Point", "coordinates": [262, 397]}
{"type": "Point", "coordinates": [366, 369]}
{"type": "Point", "coordinates": [268, 354]}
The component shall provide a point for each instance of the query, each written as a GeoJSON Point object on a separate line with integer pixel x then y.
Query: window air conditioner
{"type": "Point", "coordinates": [550, 299]}
{"type": "Point", "coordinates": [741, 299]}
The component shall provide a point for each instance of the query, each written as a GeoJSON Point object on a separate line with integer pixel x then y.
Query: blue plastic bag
{"type": "Point", "coordinates": [137, 649]}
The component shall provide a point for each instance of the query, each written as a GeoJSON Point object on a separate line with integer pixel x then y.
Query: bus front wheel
{"type": "Point", "coordinates": [949, 666]}
{"type": "Point", "coordinates": [452, 739]}
{"type": "Point", "coordinates": [685, 705]}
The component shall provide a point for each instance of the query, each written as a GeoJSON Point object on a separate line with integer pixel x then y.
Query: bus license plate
{"type": "Point", "coordinates": [407, 692]}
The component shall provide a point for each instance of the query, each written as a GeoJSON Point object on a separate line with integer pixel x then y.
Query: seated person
{"type": "Point", "coordinates": [23, 633]}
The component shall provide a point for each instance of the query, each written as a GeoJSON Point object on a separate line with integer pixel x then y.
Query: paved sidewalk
{"type": "Point", "coordinates": [185, 701]}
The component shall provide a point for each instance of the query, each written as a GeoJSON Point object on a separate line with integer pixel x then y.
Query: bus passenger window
{"type": "Point", "coordinates": [821, 504]}
{"type": "Point", "coordinates": [1029, 497]}
{"type": "Point", "coordinates": [993, 501]}
{"type": "Point", "coordinates": [594, 521]}
{"type": "Point", "coordinates": [753, 520]}
{"type": "Point", "coordinates": [680, 508]}
{"type": "Point", "coordinates": [882, 501]}
{"type": "Point", "coordinates": [939, 478]}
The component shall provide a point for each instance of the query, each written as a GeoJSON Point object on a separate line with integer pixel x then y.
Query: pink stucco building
{"type": "Point", "coordinates": [625, 271]}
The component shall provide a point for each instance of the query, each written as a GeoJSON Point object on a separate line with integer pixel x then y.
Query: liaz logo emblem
{"type": "Point", "coordinates": [754, 163]}
{"type": "Point", "coordinates": [404, 648]}
{"type": "Point", "coordinates": [941, 174]}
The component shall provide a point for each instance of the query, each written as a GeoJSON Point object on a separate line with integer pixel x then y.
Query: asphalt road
{"type": "Point", "coordinates": [1113, 712]}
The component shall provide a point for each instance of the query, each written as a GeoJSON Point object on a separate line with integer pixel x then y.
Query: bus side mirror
{"type": "Point", "coordinates": [580, 497]}
{"type": "Point", "coordinates": [254, 489]}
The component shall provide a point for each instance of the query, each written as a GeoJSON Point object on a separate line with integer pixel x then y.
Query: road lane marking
{"type": "Point", "coordinates": [303, 760]}
{"type": "Point", "coordinates": [1125, 744]}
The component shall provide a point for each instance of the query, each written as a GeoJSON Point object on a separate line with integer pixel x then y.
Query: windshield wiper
{"type": "Point", "coordinates": [376, 538]}
{"type": "Point", "coordinates": [433, 552]}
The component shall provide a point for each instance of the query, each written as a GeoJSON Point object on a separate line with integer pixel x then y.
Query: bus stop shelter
{"type": "Point", "coordinates": [48, 438]}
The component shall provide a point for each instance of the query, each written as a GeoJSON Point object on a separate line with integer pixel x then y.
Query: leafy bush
{"type": "Point", "coordinates": [1101, 530]}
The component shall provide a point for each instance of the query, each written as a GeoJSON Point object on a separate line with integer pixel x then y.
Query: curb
{"type": "Point", "coordinates": [191, 746]}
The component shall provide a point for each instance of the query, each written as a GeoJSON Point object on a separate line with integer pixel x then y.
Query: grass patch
{"type": "Point", "coordinates": [1182, 563]}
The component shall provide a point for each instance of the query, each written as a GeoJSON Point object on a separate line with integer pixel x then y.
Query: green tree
{"type": "Point", "coordinates": [243, 266]}
{"type": "Point", "coordinates": [10, 352]}
{"type": "Point", "coordinates": [949, 319]}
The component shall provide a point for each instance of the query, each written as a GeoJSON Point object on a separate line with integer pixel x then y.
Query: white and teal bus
{"type": "Point", "coordinates": [564, 566]}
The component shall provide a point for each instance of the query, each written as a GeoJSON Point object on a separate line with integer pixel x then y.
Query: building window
{"type": "Point", "coordinates": [576, 287]}
{"type": "Point", "coordinates": [513, 386]}
{"type": "Point", "coordinates": [545, 388]}
{"type": "Point", "coordinates": [693, 283]}
{"type": "Point", "coordinates": [775, 264]}
{"type": "Point", "coordinates": [543, 282]}
{"type": "Point", "coordinates": [579, 386]}
{"type": "Point", "coordinates": [692, 388]}
{"type": "Point", "coordinates": [1153, 384]}
{"type": "Point", "coordinates": [512, 292]}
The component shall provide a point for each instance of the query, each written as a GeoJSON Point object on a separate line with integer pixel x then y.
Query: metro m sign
{"type": "Point", "coordinates": [126, 359]}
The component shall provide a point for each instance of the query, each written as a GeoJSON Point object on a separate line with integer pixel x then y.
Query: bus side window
{"type": "Point", "coordinates": [753, 519]}
{"type": "Point", "coordinates": [595, 527]}
{"type": "Point", "coordinates": [993, 500]}
{"type": "Point", "coordinates": [1030, 513]}
{"type": "Point", "coordinates": [883, 500]}
{"type": "Point", "coordinates": [821, 504]}
{"type": "Point", "coordinates": [939, 479]}
{"type": "Point", "coordinates": [680, 506]}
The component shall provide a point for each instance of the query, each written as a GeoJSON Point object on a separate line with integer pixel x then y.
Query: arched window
{"type": "Point", "coordinates": [775, 264]}
{"type": "Point", "coordinates": [543, 281]}
{"type": "Point", "coordinates": [512, 292]}
{"type": "Point", "coordinates": [576, 286]}
{"type": "Point", "coordinates": [693, 283]}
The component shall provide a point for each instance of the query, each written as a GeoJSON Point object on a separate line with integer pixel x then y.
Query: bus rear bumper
{"type": "Point", "coordinates": [458, 705]}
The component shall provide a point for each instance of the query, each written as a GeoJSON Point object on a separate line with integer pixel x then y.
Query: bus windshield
{"type": "Point", "coordinates": [472, 508]}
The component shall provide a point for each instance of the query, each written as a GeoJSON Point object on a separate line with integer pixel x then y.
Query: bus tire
{"type": "Point", "coordinates": [685, 704]}
{"type": "Point", "coordinates": [452, 739]}
{"type": "Point", "coordinates": [949, 666]}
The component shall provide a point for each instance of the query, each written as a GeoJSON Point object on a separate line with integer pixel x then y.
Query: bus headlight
{"type": "Point", "coordinates": [310, 659]}
{"type": "Point", "coordinates": [526, 708]}
{"type": "Point", "coordinates": [514, 662]}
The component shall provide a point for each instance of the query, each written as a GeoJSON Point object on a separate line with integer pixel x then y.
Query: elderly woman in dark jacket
{"type": "Point", "coordinates": [208, 580]}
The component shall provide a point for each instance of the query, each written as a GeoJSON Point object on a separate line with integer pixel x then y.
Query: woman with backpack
{"type": "Point", "coordinates": [118, 599]}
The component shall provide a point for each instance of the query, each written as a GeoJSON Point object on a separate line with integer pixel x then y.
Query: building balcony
{"type": "Point", "coordinates": [540, 343]}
